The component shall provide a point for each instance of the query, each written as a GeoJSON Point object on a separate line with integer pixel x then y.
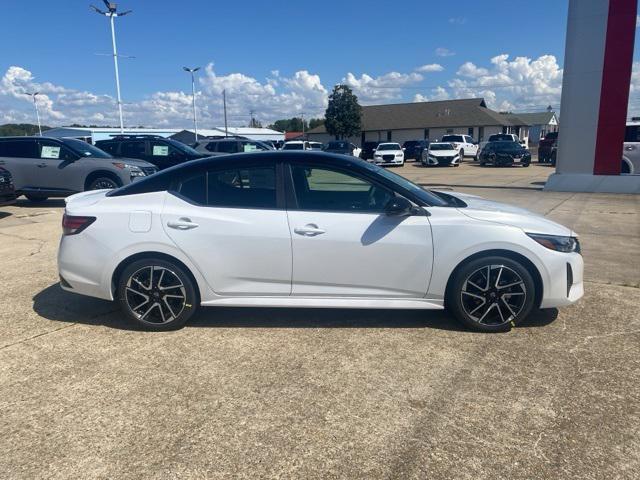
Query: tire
{"type": "Point", "coordinates": [526, 164]}
{"type": "Point", "coordinates": [144, 281]}
{"type": "Point", "coordinates": [104, 181]}
{"type": "Point", "coordinates": [36, 198]}
{"type": "Point", "coordinates": [481, 305]}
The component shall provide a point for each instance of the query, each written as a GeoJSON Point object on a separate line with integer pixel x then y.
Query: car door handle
{"type": "Point", "coordinates": [41, 165]}
{"type": "Point", "coordinates": [182, 224]}
{"type": "Point", "coordinates": [309, 230]}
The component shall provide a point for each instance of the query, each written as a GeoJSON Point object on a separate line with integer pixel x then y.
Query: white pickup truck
{"type": "Point", "coordinates": [463, 143]}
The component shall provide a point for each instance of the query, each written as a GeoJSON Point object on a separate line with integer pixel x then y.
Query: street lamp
{"type": "Point", "coordinates": [34, 95]}
{"type": "Point", "coordinates": [112, 14]}
{"type": "Point", "coordinates": [192, 71]}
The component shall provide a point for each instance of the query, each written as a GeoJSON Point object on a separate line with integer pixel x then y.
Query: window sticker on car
{"type": "Point", "coordinates": [50, 152]}
{"type": "Point", "coordinates": [250, 148]}
{"type": "Point", "coordinates": [160, 150]}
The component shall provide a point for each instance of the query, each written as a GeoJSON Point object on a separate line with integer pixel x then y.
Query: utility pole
{"type": "Point", "coordinates": [192, 71]}
{"type": "Point", "coordinates": [224, 103]}
{"type": "Point", "coordinates": [252, 123]}
{"type": "Point", "coordinates": [112, 14]}
{"type": "Point", "coordinates": [302, 116]}
{"type": "Point", "coordinates": [35, 103]}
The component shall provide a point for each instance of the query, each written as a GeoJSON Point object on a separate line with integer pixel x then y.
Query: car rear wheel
{"type": "Point", "coordinates": [157, 294]}
{"type": "Point", "coordinates": [36, 198]}
{"type": "Point", "coordinates": [491, 294]}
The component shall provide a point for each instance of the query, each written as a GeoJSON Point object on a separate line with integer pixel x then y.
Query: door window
{"type": "Point", "coordinates": [228, 147]}
{"type": "Point", "coordinates": [132, 149]}
{"type": "Point", "coordinates": [18, 149]}
{"type": "Point", "coordinates": [162, 149]}
{"type": "Point", "coordinates": [49, 150]}
{"type": "Point", "coordinates": [194, 188]}
{"type": "Point", "coordinates": [324, 189]}
{"type": "Point", "coordinates": [249, 187]}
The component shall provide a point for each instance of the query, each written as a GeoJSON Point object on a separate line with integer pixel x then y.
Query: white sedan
{"type": "Point", "coordinates": [389, 154]}
{"type": "Point", "coordinates": [300, 229]}
{"type": "Point", "coordinates": [441, 154]}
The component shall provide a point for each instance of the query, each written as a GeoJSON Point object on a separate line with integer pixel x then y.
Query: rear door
{"type": "Point", "coordinates": [232, 223]}
{"type": "Point", "coordinates": [344, 245]}
{"type": "Point", "coordinates": [18, 156]}
{"type": "Point", "coordinates": [163, 154]}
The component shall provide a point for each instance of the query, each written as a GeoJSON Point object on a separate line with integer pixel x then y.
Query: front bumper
{"type": "Point", "coordinates": [381, 162]}
{"type": "Point", "coordinates": [564, 284]}
{"type": "Point", "coordinates": [441, 161]}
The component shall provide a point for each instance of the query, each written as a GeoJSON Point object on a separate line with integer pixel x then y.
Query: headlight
{"type": "Point", "coordinates": [398, 154]}
{"type": "Point", "coordinates": [557, 243]}
{"type": "Point", "coordinates": [133, 169]}
{"type": "Point", "coordinates": [378, 155]}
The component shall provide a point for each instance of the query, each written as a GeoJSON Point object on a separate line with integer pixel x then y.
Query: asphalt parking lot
{"type": "Point", "coordinates": [299, 393]}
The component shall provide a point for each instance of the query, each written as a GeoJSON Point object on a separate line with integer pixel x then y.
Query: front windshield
{"type": "Point", "coordinates": [181, 146]}
{"type": "Point", "coordinates": [441, 146]}
{"type": "Point", "coordinates": [85, 149]}
{"type": "Point", "coordinates": [425, 195]}
{"type": "Point", "coordinates": [389, 146]}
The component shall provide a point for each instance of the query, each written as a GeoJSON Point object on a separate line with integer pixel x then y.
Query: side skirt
{"type": "Point", "coordinates": [310, 302]}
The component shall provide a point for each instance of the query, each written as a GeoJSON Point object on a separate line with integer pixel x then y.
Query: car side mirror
{"type": "Point", "coordinates": [399, 207]}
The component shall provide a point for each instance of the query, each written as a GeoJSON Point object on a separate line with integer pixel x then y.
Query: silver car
{"type": "Point", "coordinates": [631, 152]}
{"type": "Point", "coordinates": [57, 167]}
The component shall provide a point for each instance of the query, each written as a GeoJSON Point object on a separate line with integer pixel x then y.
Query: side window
{"type": "Point", "coordinates": [194, 188]}
{"type": "Point", "coordinates": [248, 146]}
{"type": "Point", "coordinates": [133, 149]}
{"type": "Point", "coordinates": [109, 147]}
{"type": "Point", "coordinates": [325, 189]}
{"type": "Point", "coordinates": [162, 149]}
{"type": "Point", "coordinates": [631, 134]}
{"type": "Point", "coordinates": [211, 146]}
{"type": "Point", "coordinates": [228, 147]}
{"type": "Point", "coordinates": [53, 151]}
{"type": "Point", "coordinates": [18, 149]}
{"type": "Point", "coordinates": [250, 187]}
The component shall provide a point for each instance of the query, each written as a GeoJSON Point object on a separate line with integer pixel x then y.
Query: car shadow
{"type": "Point", "coordinates": [5, 214]}
{"type": "Point", "coordinates": [58, 305]}
{"type": "Point", "coordinates": [52, 202]}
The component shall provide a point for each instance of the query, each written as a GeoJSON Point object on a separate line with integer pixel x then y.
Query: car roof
{"type": "Point", "coordinates": [31, 137]}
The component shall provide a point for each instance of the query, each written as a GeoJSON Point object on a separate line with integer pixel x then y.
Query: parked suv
{"type": "Point", "coordinates": [56, 167]}
{"type": "Point", "coordinates": [160, 151]}
{"type": "Point", "coordinates": [546, 146]}
{"type": "Point", "coordinates": [7, 191]}
{"type": "Point", "coordinates": [342, 147]}
{"type": "Point", "coordinates": [368, 148]}
{"type": "Point", "coordinates": [226, 146]}
{"type": "Point", "coordinates": [464, 143]}
{"type": "Point", "coordinates": [413, 149]}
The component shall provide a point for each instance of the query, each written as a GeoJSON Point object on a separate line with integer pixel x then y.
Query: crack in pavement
{"type": "Point", "coordinates": [41, 243]}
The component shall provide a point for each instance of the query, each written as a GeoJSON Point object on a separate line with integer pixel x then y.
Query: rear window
{"type": "Point", "coordinates": [159, 182]}
{"type": "Point", "coordinates": [109, 147]}
{"type": "Point", "coordinates": [293, 146]}
{"type": "Point", "coordinates": [453, 138]}
{"type": "Point", "coordinates": [337, 145]}
{"type": "Point", "coordinates": [501, 137]}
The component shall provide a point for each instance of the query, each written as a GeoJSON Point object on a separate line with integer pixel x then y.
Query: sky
{"type": "Point", "coordinates": [277, 58]}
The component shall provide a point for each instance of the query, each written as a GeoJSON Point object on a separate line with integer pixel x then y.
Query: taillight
{"type": "Point", "coordinates": [74, 224]}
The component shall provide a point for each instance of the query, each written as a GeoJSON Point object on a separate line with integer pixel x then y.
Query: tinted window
{"type": "Point", "coordinates": [632, 133]}
{"type": "Point", "coordinates": [249, 146]}
{"type": "Point", "coordinates": [109, 147]}
{"type": "Point", "coordinates": [134, 149]}
{"type": "Point", "coordinates": [500, 138]}
{"type": "Point", "coordinates": [50, 150]}
{"type": "Point", "coordinates": [251, 187]}
{"type": "Point", "coordinates": [453, 138]}
{"type": "Point", "coordinates": [195, 188]}
{"type": "Point", "coordinates": [163, 149]}
{"type": "Point", "coordinates": [227, 147]}
{"type": "Point", "coordinates": [441, 146]}
{"type": "Point", "coordinates": [18, 148]}
{"type": "Point", "coordinates": [337, 146]}
{"type": "Point", "coordinates": [293, 146]}
{"type": "Point", "coordinates": [319, 188]}
{"type": "Point", "coordinates": [389, 146]}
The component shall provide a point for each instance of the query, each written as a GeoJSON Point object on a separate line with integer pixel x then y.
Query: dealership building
{"type": "Point", "coordinates": [430, 120]}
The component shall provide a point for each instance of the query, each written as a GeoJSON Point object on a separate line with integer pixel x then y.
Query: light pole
{"type": "Point", "coordinates": [112, 14]}
{"type": "Point", "coordinates": [192, 71]}
{"type": "Point", "coordinates": [35, 103]}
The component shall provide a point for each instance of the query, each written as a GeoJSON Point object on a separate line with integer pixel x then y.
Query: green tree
{"type": "Point", "coordinates": [343, 117]}
{"type": "Point", "coordinates": [20, 129]}
{"type": "Point", "coordinates": [288, 125]}
{"type": "Point", "coordinates": [315, 122]}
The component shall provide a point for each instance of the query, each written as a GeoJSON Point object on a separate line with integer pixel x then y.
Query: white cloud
{"type": "Point", "coordinates": [431, 67]}
{"type": "Point", "coordinates": [444, 52]}
{"type": "Point", "coordinates": [458, 20]}
{"type": "Point", "coordinates": [380, 89]}
{"type": "Point", "coordinates": [468, 69]}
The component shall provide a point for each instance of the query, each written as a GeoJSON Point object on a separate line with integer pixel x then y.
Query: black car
{"type": "Point", "coordinates": [413, 149]}
{"type": "Point", "coordinates": [341, 146]}
{"type": "Point", "coordinates": [502, 154]}
{"type": "Point", "coordinates": [160, 151]}
{"type": "Point", "coordinates": [7, 191]}
{"type": "Point", "coordinates": [368, 148]}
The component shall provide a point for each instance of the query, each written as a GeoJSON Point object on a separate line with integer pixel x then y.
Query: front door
{"type": "Point", "coordinates": [233, 226]}
{"type": "Point", "coordinates": [345, 245]}
{"type": "Point", "coordinates": [56, 167]}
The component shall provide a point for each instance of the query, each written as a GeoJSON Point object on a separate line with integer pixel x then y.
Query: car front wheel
{"type": "Point", "coordinates": [491, 294]}
{"type": "Point", "coordinates": [157, 294]}
{"type": "Point", "coordinates": [105, 182]}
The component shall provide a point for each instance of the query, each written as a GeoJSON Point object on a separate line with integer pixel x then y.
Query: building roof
{"type": "Point", "coordinates": [470, 112]}
{"type": "Point", "coordinates": [538, 118]}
